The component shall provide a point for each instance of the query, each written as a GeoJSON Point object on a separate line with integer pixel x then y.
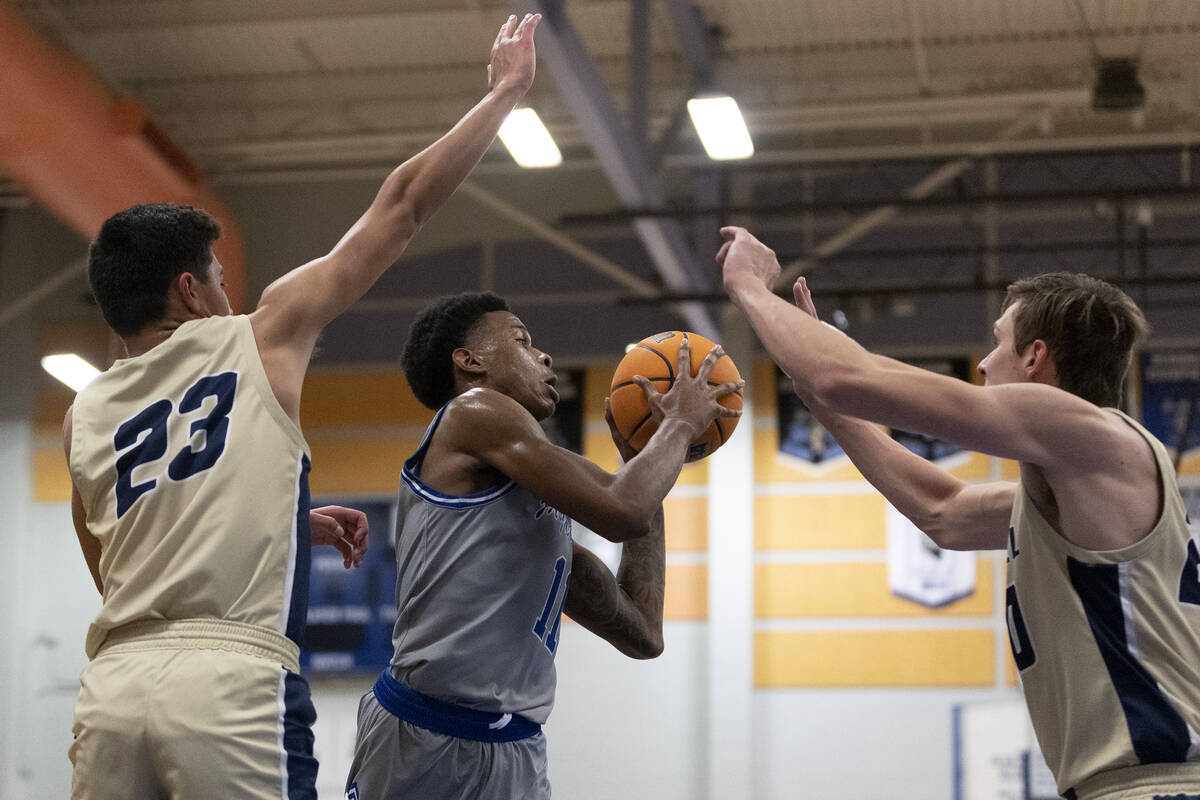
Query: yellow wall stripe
{"type": "Point", "coordinates": [851, 589]}
{"type": "Point", "coordinates": [358, 465]}
{"type": "Point", "coordinates": [772, 466]}
{"type": "Point", "coordinates": [686, 592]}
{"type": "Point", "coordinates": [822, 522]}
{"type": "Point", "coordinates": [51, 481]}
{"type": "Point", "coordinates": [686, 520]}
{"type": "Point", "coordinates": [360, 399]}
{"type": "Point", "coordinates": [910, 658]}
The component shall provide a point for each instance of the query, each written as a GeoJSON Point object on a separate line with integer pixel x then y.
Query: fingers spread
{"type": "Point", "coordinates": [684, 366]}
{"type": "Point", "coordinates": [709, 362]}
{"type": "Point", "coordinates": [726, 389]}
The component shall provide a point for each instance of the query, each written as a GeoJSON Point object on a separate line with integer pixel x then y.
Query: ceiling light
{"type": "Point", "coordinates": [721, 128]}
{"type": "Point", "coordinates": [528, 140]}
{"type": "Point", "coordinates": [70, 369]}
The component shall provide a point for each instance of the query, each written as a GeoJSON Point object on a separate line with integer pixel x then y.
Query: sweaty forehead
{"type": "Point", "coordinates": [497, 324]}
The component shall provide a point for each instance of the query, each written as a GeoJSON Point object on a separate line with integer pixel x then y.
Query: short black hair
{"type": "Point", "coordinates": [440, 329]}
{"type": "Point", "coordinates": [139, 252]}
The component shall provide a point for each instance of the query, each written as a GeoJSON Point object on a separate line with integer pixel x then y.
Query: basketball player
{"type": "Point", "coordinates": [190, 484]}
{"type": "Point", "coordinates": [1103, 602]}
{"type": "Point", "coordinates": [486, 561]}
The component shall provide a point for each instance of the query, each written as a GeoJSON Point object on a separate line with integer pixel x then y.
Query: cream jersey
{"type": "Point", "coordinates": [195, 482]}
{"type": "Point", "coordinates": [1108, 646]}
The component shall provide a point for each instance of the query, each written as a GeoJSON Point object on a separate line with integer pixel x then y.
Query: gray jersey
{"type": "Point", "coordinates": [480, 587]}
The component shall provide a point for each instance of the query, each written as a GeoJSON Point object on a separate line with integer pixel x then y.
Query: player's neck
{"type": "Point", "coordinates": [152, 336]}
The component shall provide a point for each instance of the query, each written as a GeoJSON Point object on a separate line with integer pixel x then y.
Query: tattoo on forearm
{"type": "Point", "coordinates": [627, 609]}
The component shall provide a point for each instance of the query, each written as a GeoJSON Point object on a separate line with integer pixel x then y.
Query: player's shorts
{"type": "Point", "coordinates": [194, 709]}
{"type": "Point", "coordinates": [395, 759]}
{"type": "Point", "coordinates": [1143, 782]}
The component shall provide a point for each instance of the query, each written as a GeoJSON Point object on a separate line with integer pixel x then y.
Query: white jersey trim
{"type": "Point", "coordinates": [283, 754]}
{"type": "Point", "coordinates": [290, 578]}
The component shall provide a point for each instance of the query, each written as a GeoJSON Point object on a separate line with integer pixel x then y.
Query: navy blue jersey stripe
{"type": "Point", "coordinates": [1159, 734]}
{"type": "Point", "coordinates": [298, 718]}
{"type": "Point", "coordinates": [411, 475]}
{"type": "Point", "coordinates": [298, 610]}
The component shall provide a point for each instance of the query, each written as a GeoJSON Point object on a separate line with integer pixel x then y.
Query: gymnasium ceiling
{"type": "Point", "coordinates": [905, 149]}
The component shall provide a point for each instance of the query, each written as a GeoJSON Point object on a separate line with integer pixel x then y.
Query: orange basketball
{"type": "Point", "coordinates": [656, 358]}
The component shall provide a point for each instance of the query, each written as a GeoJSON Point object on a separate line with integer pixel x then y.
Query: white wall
{"type": "Point", "coordinates": [637, 730]}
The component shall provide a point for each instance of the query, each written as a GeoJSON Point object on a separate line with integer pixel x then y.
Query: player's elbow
{"type": "Point", "coordinates": [943, 531]}
{"type": "Point", "coordinates": [834, 387]}
{"type": "Point", "coordinates": [846, 387]}
{"type": "Point", "coordinates": [647, 645]}
{"type": "Point", "coordinates": [405, 217]}
{"type": "Point", "coordinates": [624, 527]}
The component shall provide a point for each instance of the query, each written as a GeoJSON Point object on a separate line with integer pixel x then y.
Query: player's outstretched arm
{"type": "Point", "coordinates": [955, 514]}
{"type": "Point", "coordinates": [295, 308]}
{"type": "Point", "coordinates": [1029, 422]}
{"type": "Point", "coordinates": [498, 431]}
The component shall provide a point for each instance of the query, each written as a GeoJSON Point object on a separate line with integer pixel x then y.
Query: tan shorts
{"type": "Point", "coordinates": [1144, 782]}
{"type": "Point", "coordinates": [194, 709]}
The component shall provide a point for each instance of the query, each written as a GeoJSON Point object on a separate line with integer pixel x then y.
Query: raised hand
{"type": "Point", "coordinates": [513, 56]}
{"type": "Point", "coordinates": [691, 399]}
{"type": "Point", "coordinates": [746, 262]}
{"type": "Point", "coordinates": [803, 297]}
{"type": "Point", "coordinates": [343, 528]}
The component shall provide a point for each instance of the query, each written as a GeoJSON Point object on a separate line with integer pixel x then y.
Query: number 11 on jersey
{"type": "Point", "coordinates": [554, 606]}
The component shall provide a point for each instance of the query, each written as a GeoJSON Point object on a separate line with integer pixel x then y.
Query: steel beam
{"type": "Point", "coordinates": [620, 156]}
{"type": "Point", "coordinates": [873, 219]}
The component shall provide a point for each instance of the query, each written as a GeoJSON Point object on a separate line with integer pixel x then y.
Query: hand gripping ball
{"type": "Point", "coordinates": [656, 358]}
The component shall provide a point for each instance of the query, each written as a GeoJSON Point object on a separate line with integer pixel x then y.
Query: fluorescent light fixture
{"type": "Point", "coordinates": [70, 369]}
{"type": "Point", "coordinates": [528, 140]}
{"type": "Point", "coordinates": [721, 128]}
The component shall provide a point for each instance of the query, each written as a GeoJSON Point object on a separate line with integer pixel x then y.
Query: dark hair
{"type": "Point", "coordinates": [139, 252]}
{"type": "Point", "coordinates": [440, 329]}
{"type": "Point", "coordinates": [1090, 328]}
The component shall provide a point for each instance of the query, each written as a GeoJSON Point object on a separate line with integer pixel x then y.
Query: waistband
{"type": "Point", "coordinates": [200, 634]}
{"type": "Point", "coordinates": [1152, 779]}
{"type": "Point", "coordinates": [448, 719]}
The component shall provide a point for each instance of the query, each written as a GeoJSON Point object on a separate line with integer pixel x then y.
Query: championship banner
{"type": "Point", "coordinates": [921, 572]}
{"type": "Point", "coordinates": [1170, 390]}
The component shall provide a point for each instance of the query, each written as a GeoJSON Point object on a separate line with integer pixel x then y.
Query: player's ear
{"type": "Point", "coordinates": [1037, 361]}
{"type": "Point", "coordinates": [467, 361]}
{"type": "Point", "coordinates": [188, 286]}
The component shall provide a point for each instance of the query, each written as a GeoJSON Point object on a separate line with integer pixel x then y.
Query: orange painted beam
{"type": "Point", "coordinates": [84, 154]}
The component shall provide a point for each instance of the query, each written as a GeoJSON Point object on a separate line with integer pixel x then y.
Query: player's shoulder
{"type": "Point", "coordinates": [481, 413]}
{"type": "Point", "coordinates": [481, 400]}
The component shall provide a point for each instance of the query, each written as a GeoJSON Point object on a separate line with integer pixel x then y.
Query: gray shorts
{"type": "Point", "coordinates": [396, 760]}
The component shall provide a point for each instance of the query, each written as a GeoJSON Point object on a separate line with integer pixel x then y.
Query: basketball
{"type": "Point", "coordinates": [656, 358]}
